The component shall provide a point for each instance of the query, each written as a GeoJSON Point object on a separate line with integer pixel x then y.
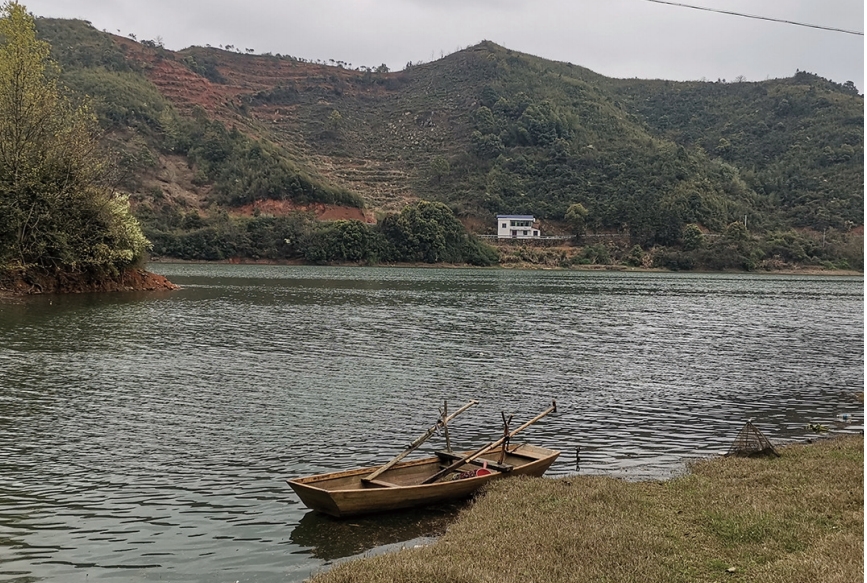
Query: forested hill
{"type": "Point", "coordinates": [798, 141]}
{"type": "Point", "coordinates": [485, 130]}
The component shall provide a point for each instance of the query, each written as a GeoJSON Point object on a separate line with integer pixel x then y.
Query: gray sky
{"type": "Point", "coordinates": [617, 38]}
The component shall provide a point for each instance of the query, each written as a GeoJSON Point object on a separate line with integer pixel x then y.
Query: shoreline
{"type": "Point", "coordinates": [22, 284]}
{"type": "Point", "coordinates": [808, 271]}
{"type": "Point", "coordinates": [752, 518]}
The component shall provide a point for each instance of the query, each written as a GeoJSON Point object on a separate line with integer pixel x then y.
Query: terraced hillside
{"type": "Point", "coordinates": [358, 130]}
{"type": "Point", "coordinates": [486, 130]}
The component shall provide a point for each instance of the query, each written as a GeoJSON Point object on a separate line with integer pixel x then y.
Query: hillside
{"type": "Point", "coordinates": [485, 130]}
{"type": "Point", "coordinates": [797, 141]}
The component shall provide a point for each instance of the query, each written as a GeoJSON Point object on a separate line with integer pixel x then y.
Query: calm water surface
{"type": "Point", "coordinates": [147, 436]}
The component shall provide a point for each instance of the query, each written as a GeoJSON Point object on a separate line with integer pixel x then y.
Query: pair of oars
{"type": "Point", "coordinates": [443, 422]}
{"type": "Point", "coordinates": [470, 457]}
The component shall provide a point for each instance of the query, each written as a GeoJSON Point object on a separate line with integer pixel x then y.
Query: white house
{"type": "Point", "coordinates": [516, 227]}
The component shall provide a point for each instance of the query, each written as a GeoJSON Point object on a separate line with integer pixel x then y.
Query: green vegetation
{"type": "Point", "coordinates": [192, 237]}
{"type": "Point", "coordinates": [241, 169]}
{"type": "Point", "coordinates": [424, 232]}
{"type": "Point", "coordinates": [548, 136]}
{"type": "Point", "coordinates": [798, 143]}
{"type": "Point", "coordinates": [204, 66]}
{"type": "Point", "coordinates": [735, 248]}
{"type": "Point", "coordinates": [797, 518]}
{"type": "Point", "coordinates": [75, 44]}
{"type": "Point", "coordinates": [244, 170]}
{"type": "Point", "coordinates": [429, 232]}
{"type": "Point", "coordinates": [58, 213]}
{"type": "Point", "coordinates": [484, 131]}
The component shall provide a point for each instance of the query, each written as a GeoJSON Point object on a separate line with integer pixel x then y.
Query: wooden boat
{"type": "Point", "coordinates": [402, 485]}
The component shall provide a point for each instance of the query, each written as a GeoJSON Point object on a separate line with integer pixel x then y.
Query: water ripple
{"type": "Point", "coordinates": [147, 436]}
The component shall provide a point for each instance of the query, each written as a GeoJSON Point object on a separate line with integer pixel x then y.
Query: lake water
{"type": "Point", "coordinates": [147, 436]}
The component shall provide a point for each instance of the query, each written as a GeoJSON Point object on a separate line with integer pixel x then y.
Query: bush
{"type": "Point", "coordinates": [675, 260]}
{"type": "Point", "coordinates": [596, 254]}
{"type": "Point", "coordinates": [344, 241]}
{"type": "Point", "coordinates": [429, 232]}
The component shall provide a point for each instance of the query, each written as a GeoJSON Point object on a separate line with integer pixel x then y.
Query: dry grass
{"type": "Point", "coordinates": [797, 518]}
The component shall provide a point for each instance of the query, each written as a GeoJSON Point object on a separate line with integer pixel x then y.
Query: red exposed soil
{"type": "Point", "coordinates": [244, 74]}
{"type": "Point", "coordinates": [180, 85]}
{"type": "Point", "coordinates": [27, 283]}
{"type": "Point", "coordinates": [323, 212]}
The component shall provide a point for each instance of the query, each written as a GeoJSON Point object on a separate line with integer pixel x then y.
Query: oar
{"type": "Point", "coordinates": [420, 440]}
{"type": "Point", "coordinates": [470, 457]}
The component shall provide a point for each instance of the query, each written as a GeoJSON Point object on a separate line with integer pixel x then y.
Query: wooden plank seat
{"type": "Point", "coordinates": [380, 483]}
{"type": "Point", "coordinates": [450, 456]}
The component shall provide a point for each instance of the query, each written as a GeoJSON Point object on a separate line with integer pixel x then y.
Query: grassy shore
{"type": "Point", "coordinates": [796, 518]}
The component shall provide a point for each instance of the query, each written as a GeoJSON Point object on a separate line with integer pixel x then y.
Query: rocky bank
{"type": "Point", "coordinates": [38, 282]}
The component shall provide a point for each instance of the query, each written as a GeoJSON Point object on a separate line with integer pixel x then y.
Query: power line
{"type": "Point", "coordinates": [758, 17]}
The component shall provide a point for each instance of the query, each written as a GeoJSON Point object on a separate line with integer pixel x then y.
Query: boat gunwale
{"type": "Point", "coordinates": [310, 481]}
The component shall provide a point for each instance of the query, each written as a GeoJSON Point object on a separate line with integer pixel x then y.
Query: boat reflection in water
{"type": "Point", "coordinates": [328, 538]}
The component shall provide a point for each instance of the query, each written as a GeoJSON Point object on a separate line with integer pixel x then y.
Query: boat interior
{"type": "Point", "coordinates": [413, 473]}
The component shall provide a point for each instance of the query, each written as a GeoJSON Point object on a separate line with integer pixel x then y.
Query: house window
{"type": "Point", "coordinates": [525, 233]}
{"type": "Point", "coordinates": [505, 225]}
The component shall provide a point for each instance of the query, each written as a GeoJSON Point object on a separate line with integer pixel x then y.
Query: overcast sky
{"type": "Point", "coordinates": [617, 38]}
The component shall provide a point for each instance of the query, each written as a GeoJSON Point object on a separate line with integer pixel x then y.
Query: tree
{"type": "Point", "coordinates": [430, 232]}
{"type": "Point", "coordinates": [485, 122]}
{"type": "Point", "coordinates": [334, 124]}
{"type": "Point", "coordinates": [343, 241]}
{"type": "Point", "coordinates": [692, 237]}
{"type": "Point", "coordinates": [57, 211]}
{"type": "Point", "coordinates": [439, 167]}
{"type": "Point", "coordinates": [576, 216]}
{"type": "Point", "coordinates": [736, 233]}
{"type": "Point", "coordinates": [334, 119]}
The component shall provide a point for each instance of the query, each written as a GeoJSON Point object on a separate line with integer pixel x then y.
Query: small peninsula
{"type": "Point", "coordinates": [63, 228]}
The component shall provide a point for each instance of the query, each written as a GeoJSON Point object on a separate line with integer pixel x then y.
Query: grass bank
{"type": "Point", "coordinates": [797, 518]}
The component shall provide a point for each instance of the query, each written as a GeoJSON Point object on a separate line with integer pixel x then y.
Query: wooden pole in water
{"type": "Point", "coordinates": [445, 417]}
{"type": "Point", "coordinates": [470, 457]}
{"type": "Point", "coordinates": [442, 421]}
{"type": "Point", "coordinates": [505, 436]}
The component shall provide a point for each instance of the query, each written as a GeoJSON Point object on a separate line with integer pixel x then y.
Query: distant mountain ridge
{"type": "Point", "coordinates": [485, 130]}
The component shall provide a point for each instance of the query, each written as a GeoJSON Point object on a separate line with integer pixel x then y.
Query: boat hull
{"type": "Point", "coordinates": [347, 494]}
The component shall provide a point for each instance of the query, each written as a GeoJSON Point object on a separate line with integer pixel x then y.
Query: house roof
{"type": "Point", "coordinates": [530, 217]}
